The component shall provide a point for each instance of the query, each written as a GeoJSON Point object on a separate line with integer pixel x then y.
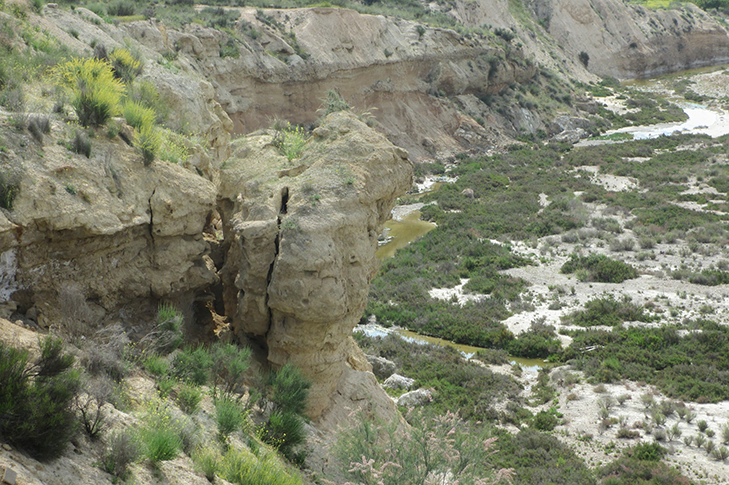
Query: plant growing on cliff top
{"type": "Point", "coordinates": [126, 65]}
{"type": "Point", "coordinates": [289, 140]}
{"type": "Point", "coordinates": [95, 93]}
{"type": "Point", "coordinates": [148, 141]}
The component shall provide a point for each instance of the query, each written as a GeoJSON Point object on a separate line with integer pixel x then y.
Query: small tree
{"type": "Point", "coordinates": [584, 58]}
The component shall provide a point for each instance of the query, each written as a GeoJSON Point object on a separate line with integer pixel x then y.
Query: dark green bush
{"type": "Point", "coordinates": [228, 416]}
{"type": "Point", "coordinates": [289, 389]}
{"type": "Point", "coordinates": [534, 455]}
{"type": "Point", "coordinates": [231, 362]}
{"type": "Point", "coordinates": [8, 192]}
{"type": "Point", "coordinates": [607, 311]}
{"type": "Point", "coordinates": [600, 268]}
{"type": "Point", "coordinates": [36, 399]}
{"type": "Point", "coordinates": [284, 431]}
{"type": "Point", "coordinates": [460, 386]}
{"type": "Point", "coordinates": [193, 364]}
{"type": "Point", "coordinates": [544, 421]}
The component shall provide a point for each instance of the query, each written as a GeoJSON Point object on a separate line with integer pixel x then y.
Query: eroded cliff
{"type": "Point", "coordinates": [301, 238]}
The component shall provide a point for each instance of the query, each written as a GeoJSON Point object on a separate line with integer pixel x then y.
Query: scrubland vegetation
{"type": "Point", "coordinates": [49, 400]}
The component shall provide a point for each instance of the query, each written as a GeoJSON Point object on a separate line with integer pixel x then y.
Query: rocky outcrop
{"type": "Point", "coordinates": [108, 229]}
{"type": "Point", "coordinates": [301, 239]}
{"type": "Point", "coordinates": [399, 70]}
{"type": "Point", "coordinates": [629, 41]}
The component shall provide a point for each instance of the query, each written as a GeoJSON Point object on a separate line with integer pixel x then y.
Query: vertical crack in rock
{"type": "Point", "coordinates": [151, 216]}
{"type": "Point", "coordinates": [315, 255]}
{"type": "Point", "coordinates": [283, 209]}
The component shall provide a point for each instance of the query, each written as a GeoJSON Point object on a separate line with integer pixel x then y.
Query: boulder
{"type": "Point", "coordinates": [417, 397]}
{"type": "Point", "coordinates": [381, 367]}
{"type": "Point", "coordinates": [396, 381]}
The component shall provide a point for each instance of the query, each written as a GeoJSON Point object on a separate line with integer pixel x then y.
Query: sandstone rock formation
{"type": "Point", "coordinates": [629, 41]}
{"type": "Point", "coordinates": [116, 232]}
{"type": "Point", "coordinates": [301, 239]}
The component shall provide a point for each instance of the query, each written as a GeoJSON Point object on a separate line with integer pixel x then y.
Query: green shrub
{"type": "Point", "coordinates": [126, 66]}
{"type": "Point", "coordinates": [207, 461]}
{"type": "Point", "coordinates": [608, 311]}
{"type": "Point", "coordinates": [36, 399]}
{"type": "Point", "coordinates": [289, 389]}
{"type": "Point", "coordinates": [194, 365]}
{"type": "Point", "coordinates": [600, 268]}
{"type": "Point", "coordinates": [145, 93]}
{"type": "Point", "coordinates": [9, 190]}
{"type": "Point", "coordinates": [244, 468]}
{"type": "Point", "coordinates": [148, 140]}
{"type": "Point", "coordinates": [138, 115]}
{"type": "Point", "coordinates": [95, 93]}
{"type": "Point", "coordinates": [160, 437]}
{"type": "Point", "coordinates": [228, 416]}
{"type": "Point", "coordinates": [232, 362]}
{"type": "Point", "coordinates": [189, 397]}
{"type": "Point", "coordinates": [544, 421]}
{"type": "Point", "coordinates": [284, 431]}
{"type": "Point", "coordinates": [156, 365]}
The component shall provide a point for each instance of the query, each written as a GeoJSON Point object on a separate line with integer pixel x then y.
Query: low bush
{"type": "Point", "coordinates": [36, 398]}
{"type": "Point", "coordinates": [242, 467]}
{"type": "Point", "coordinates": [231, 363]}
{"type": "Point", "coordinates": [228, 416]}
{"type": "Point", "coordinates": [126, 66]}
{"type": "Point", "coordinates": [607, 311]}
{"type": "Point", "coordinates": [123, 449]}
{"type": "Point", "coordinates": [156, 365]}
{"type": "Point", "coordinates": [289, 140]}
{"type": "Point", "coordinates": [81, 144]}
{"type": "Point", "coordinates": [9, 190]}
{"type": "Point", "coordinates": [544, 421]}
{"type": "Point", "coordinates": [148, 141]}
{"type": "Point", "coordinates": [138, 115]}
{"type": "Point", "coordinates": [160, 435]}
{"type": "Point", "coordinates": [95, 93]}
{"type": "Point", "coordinates": [533, 455]}
{"type": "Point", "coordinates": [460, 386]}
{"type": "Point", "coordinates": [284, 431]}
{"type": "Point", "coordinates": [207, 460]}
{"type": "Point", "coordinates": [289, 389]}
{"type": "Point", "coordinates": [193, 364]}
{"type": "Point", "coordinates": [38, 126]}
{"type": "Point", "coordinates": [690, 367]}
{"type": "Point", "coordinates": [599, 268]}
{"type": "Point", "coordinates": [379, 453]}
{"type": "Point", "coordinates": [189, 397]}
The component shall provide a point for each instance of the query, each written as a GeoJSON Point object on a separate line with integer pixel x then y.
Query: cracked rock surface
{"type": "Point", "coordinates": [301, 237]}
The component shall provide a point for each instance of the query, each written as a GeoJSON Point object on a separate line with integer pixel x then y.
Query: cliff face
{"type": "Point", "coordinates": [115, 232]}
{"type": "Point", "coordinates": [399, 70]}
{"type": "Point", "coordinates": [630, 41]}
{"type": "Point", "coordinates": [301, 239]}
